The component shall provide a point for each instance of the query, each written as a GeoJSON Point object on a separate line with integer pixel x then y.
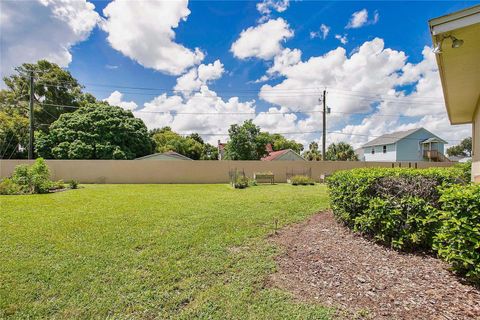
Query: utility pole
{"type": "Point", "coordinates": [324, 131]}
{"type": "Point", "coordinates": [30, 140]}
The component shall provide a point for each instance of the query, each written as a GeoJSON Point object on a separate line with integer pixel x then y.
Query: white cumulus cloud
{"type": "Point", "coordinates": [370, 82]}
{"type": "Point", "coordinates": [202, 112]}
{"type": "Point", "coordinates": [263, 41]}
{"type": "Point", "coordinates": [144, 32]}
{"type": "Point", "coordinates": [116, 99]}
{"type": "Point", "coordinates": [195, 78]}
{"type": "Point", "coordinates": [43, 29]}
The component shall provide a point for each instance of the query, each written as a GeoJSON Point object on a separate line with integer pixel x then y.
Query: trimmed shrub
{"type": "Point", "coordinates": [406, 223]}
{"type": "Point", "coordinates": [412, 209]}
{"type": "Point", "coordinates": [397, 207]}
{"type": "Point", "coordinates": [458, 240]}
{"type": "Point", "coordinates": [301, 181]}
{"type": "Point", "coordinates": [466, 169]}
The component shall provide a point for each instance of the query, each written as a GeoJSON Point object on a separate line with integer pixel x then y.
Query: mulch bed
{"type": "Point", "coordinates": [325, 262]}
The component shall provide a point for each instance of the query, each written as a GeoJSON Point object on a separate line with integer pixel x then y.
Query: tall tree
{"type": "Point", "coordinates": [13, 133]}
{"type": "Point", "coordinates": [341, 151]}
{"type": "Point", "coordinates": [313, 154]}
{"type": "Point", "coordinates": [210, 152]}
{"type": "Point", "coordinates": [192, 146]}
{"type": "Point", "coordinates": [54, 87]}
{"type": "Point", "coordinates": [464, 149]}
{"type": "Point", "coordinates": [279, 142]}
{"type": "Point", "coordinates": [95, 131]}
{"type": "Point", "coordinates": [246, 142]}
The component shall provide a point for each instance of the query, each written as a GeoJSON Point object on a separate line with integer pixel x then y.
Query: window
{"type": "Point", "coordinates": [384, 149]}
{"type": "Point", "coordinates": [373, 150]}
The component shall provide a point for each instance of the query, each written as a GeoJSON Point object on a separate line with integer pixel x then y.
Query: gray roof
{"type": "Point", "coordinates": [170, 155]}
{"type": "Point", "coordinates": [434, 139]}
{"type": "Point", "coordinates": [391, 138]}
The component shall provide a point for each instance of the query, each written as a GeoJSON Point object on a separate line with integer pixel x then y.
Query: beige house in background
{"type": "Point", "coordinates": [456, 41]}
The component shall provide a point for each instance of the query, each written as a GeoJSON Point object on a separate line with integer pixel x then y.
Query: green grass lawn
{"type": "Point", "coordinates": [149, 251]}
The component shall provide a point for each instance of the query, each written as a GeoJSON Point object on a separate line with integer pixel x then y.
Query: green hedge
{"type": "Point", "coordinates": [412, 209]}
{"type": "Point", "coordinates": [397, 207]}
{"type": "Point", "coordinates": [458, 240]}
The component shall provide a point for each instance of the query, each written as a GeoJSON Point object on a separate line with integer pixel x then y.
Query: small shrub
{"type": "Point", "coordinates": [40, 176]}
{"type": "Point", "coordinates": [301, 181]}
{"type": "Point", "coordinates": [241, 182]}
{"type": "Point", "coordinates": [22, 178]}
{"type": "Point", "coordinates": [57, 185]}
{"type": "Point", "coordinates": [8, 186]}
{"type": "Point", "coordinates": [458, 240]}
{"type": "Point", "coordinates": [73, 184]}
{"type": "Point", "coordinates": [30, 179]}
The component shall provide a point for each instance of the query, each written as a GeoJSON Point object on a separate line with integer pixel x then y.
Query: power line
{"type": "Point", "coordinates": [298, 91]}
{"type": "Point", "coordinates": [251, 113]}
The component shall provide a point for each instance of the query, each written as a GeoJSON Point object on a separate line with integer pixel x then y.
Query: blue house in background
{"type": "Point", "coordinates": [411, 145]}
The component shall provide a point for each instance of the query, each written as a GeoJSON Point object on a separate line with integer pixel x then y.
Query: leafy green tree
{"type": "Point", "coordinates": [192, 146]}
{"type": "Point", "coordinates": [95, 131]}
{"type": "Point", "coordinates": [341, 151]}
{"type": "Point", "coordinates": [279, 142]}
{"type": "Point", "coordinates": [13, 133]}
{"type": "Point", "coordinates": [464, 149]}
{"type": "Point", "coordinates": [54, 87]}
{"type": "Point", "coordinates": [246, 142]}
{"type": "Point", "coordinates": [313, 154]}
{"type": "Point", "coordinates": [167, 140]}
{"type": "Point", "coordinates": [210, 152]}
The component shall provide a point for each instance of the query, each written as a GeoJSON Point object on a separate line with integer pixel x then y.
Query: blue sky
{"type": "Point", "coordinates": [393, 37]}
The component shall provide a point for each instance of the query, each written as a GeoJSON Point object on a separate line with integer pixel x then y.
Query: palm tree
{"type": "Point", "coordinates": [312, 154]}
{"type": "Point", "coordinates": [341, 151]}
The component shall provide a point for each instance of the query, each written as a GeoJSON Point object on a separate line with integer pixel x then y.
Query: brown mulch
{"type": "Point", "coordinates": [326, 263]}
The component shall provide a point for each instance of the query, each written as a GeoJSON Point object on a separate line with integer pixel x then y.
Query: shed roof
{"type": "Point", "coordinates": [169, 155]}
{"type": "Point", "coordinates": [276, 155]}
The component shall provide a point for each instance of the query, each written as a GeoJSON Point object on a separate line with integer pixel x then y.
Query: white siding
{"type": "Point", "coordinates": [379, 155]}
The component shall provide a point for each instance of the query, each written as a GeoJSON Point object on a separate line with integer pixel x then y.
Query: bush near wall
{"type": "Point", "coordinates": [413, 209]}
{"type": "Point", "coordinates": [300, 180]}
{"type": "Point", "coordinates": [30, 179]}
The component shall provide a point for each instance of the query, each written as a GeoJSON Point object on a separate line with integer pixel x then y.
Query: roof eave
{"type": "Point", "coordinates": [445, 24]}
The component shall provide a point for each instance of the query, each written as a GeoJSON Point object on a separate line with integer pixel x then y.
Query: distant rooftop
{"type": "Point", "coordinates": [169, 154]}
{"type": "Point", "coordinates": [274, 154]}
{"type": "Point", "coordinates": [394, 137]}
